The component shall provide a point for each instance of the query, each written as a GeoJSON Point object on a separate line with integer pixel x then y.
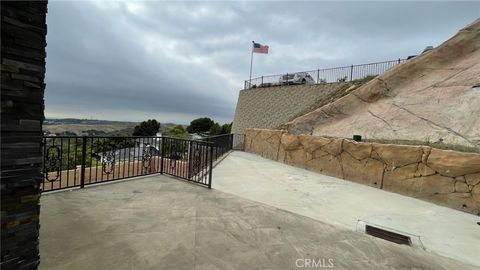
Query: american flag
{"type": "Point", "coordinates": [259, 48]}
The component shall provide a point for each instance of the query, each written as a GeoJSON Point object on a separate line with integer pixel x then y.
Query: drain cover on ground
{"type": "Point", "coordinates": [388, 235]}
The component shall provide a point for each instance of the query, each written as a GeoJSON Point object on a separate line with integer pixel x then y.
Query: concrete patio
{"type": "Point", "coordinates": [347, 204]}
{"type": "Point", "coordinates": [159, 222]}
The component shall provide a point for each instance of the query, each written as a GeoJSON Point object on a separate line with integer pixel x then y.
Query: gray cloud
{"type": "Point", "coordinates": [177, 61]}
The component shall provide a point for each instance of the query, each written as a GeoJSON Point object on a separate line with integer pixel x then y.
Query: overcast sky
{"type": "Point", "coordinates": [178, 61]}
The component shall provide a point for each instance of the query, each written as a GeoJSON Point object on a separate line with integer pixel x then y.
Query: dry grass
{"type": "Point", "coordinates": [331, 97]}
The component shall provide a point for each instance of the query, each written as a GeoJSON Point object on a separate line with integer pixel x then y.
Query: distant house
{"type": "Point", "coordinates": [196, 136]}
{"type": "Point", "coordinates": [141, 149]}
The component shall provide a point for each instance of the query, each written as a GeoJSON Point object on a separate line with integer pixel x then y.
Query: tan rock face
{"type": "Point", "coordinates": [368, 171]}
{"type": "Point", "coordinates": [312, 144]}
{"type": "Point", "coordinates": [357, 150]}
{"type": "Point", "coordinates": [461, 187]}
{"type": "Point", "coordinates": [435, 87]}
{"type": "Point", "coordinates": [450, 163]}
{"type": "Point", "coordinates": [424, 170]}
{"type": "Point", "coordinates": [398, 155]}
{"type": "Point", "coordinates": [326, 164]}
{"type": "Point", "coordinates": [263, 142]}
{"type": "Point", "coordinates": [476, 194]}
{"type": "Point", "coordinates": [426, 153]}
{"type": "Point", "coordinates": [436, 184]}
{"type": "Point", "coordinates": [290, 142]}
{"type": "Point", "coordinates": [421, 186]}
{"type": "Point", "coordinates": [460, 201]}
{"type": "Point", "coordinates": [334, 147]}
{"type": "Point", "coordinates": [472, 179]}
{"type": "Point", "coordinates": [402, 173]}
{"type": "Point", "coordinates": [249, 135]}
{"type": "Point", "coordinates": [429, 174]}
{"type": "Point", "coordinates": [296, 157]}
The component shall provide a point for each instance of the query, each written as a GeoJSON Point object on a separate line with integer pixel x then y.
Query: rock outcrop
{"type": "Point", "coordinates": [433, 97]}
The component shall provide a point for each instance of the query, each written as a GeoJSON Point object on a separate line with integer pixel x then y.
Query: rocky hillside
{"type": "Point", "coordinates": [434, 97]}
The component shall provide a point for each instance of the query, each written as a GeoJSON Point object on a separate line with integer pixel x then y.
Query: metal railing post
{"type": "Point", "coordinates": [351, 73]}
{"type": "Point", "coordinates": [162, 154]}
{"type": "Point", "coordinates": [84, 160]}
{"type": "Point", "coordinates": [318, 76]}
{"type": "Point", "coordinates": [211, 167]}
{"type": "Point", "coordinates": [190, 159]}
{"type": "Point", "coordinates": [262, 81]}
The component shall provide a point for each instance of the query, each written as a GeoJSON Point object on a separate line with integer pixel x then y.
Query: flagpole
{"type": "Point", "coordinates": [251, 65]}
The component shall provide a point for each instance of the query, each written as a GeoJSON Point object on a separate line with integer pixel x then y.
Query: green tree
{"type": "Point", "coordinates": [200, 125]}
{"type": "Point", "coordinates": [215, 129]}
{"type": "Point", "coordinates": [147, 128]}
{"type": "Point", "coordinates": [177, 131]}
{"type": "Point", "coordinates": [227, 128]}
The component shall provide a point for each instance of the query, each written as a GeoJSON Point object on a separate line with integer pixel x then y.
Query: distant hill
{"type": "Point", "coordinates": [64, 121]}
{"type": "Point", "coordinates": [80, 127]}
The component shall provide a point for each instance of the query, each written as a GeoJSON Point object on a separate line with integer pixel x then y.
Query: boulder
{"type": "Point", "coordinates": [367, 171]}
{"type": "Point", "coordinates": [249, 135]}
{"type": "Point", "coordinates": [402, 173]}
{"type": "Point", "coordinates": [461, 187]}
{"type": "Point", "coordinates": [334, 147]}
{"type": "Point", "coordinates": [296, 157]}
{"type": "Point", "coordinates": [290, 142]}
{"type": "Point", "coordinates": [424, 170]}
{"type": "Point", "coordinates": [398, 155]}
{"type": "Point", "coordinates": [326, 164]}
{"type": "Point", "coordinates": [437, 184]}
{"type": "Point", "coordinates": [472, 179]}
{"type": "Point", "coordinates": [357, 150]}
{"type": "Point", "coordinates": [451, 163]}
{"type": "Point", "coordinates": [265, 143]}
{"type": "Point", "coordinates": [312, 144]}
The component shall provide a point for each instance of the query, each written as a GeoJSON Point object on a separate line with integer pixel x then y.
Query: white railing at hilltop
{"type": "Point", "coordinates": [329, 75]}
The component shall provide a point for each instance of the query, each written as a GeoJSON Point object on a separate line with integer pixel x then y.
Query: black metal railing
{"type": "Point", "coordinates": [325, 75]}
{"type": "Point", "coordinates": [224, 143]}
{"type": "Point", "coordinates": [78, 161]}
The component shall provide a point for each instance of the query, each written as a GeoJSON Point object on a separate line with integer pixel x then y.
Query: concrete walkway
{"type": "Point", "coordinates": [160, 222]}
{"type": "Point", "coordinates": [342, 203]}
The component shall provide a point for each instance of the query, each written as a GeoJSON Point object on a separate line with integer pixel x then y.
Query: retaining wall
{"type": "Point", "coordinates": [444, 177]}
{"type": "Point", "coordinates": [271, 107]}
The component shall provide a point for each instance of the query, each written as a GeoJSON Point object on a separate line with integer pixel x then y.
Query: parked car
{"type": "Point", "coordinates": [296, 78]}
{"type": "Point", "coordinates": [428, 48]}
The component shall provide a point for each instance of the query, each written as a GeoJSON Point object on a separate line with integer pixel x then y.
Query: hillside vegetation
{"type": "Point", "coordinates": [80, 127]}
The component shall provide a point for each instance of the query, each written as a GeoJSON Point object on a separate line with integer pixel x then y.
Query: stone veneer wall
{"type": "Point", "coordinates": [23, 53]}
{"type": "Point", "coordinates": [271, 107]}
{"type": "Point", "coordinates": [444, 177]}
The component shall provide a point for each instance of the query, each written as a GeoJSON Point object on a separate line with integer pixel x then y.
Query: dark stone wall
{"type": "Point", "coordinates": [23, 53]}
